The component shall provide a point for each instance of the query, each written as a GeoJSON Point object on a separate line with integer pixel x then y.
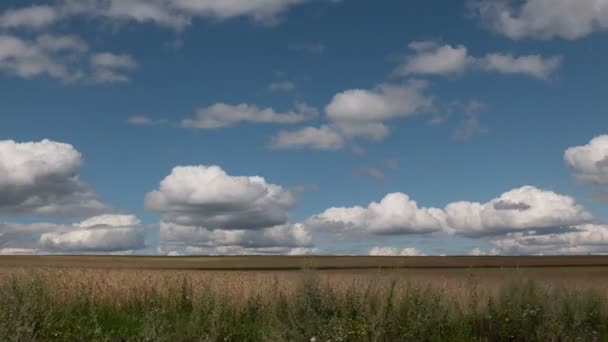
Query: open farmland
{"type": "Point", "coordinates": [265, 298]}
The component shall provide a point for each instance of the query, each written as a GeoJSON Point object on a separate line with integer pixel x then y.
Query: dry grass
{"type": "Point", "coordinates": [107, 284]}
{"type": "Point", "coordinates": [370, 299]}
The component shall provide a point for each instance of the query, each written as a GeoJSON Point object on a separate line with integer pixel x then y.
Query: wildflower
{"type": "Point", "coordinates": [313, 339]}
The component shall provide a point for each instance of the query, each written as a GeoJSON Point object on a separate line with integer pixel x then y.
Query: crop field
{"type": "Point", "coordinates": [263, 298]}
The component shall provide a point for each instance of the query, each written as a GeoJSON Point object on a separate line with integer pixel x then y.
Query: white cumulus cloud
{"type": "Point", "coordinates": [524, 209]}
{"type": "Point", "coordinates": [207, 196]}
{"type": "Point", "coordinates": [42, 178]}
{"type": "Point", "coordinates": [589, 162]}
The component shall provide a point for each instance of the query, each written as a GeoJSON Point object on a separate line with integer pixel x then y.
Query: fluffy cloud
{"type": "Point", "coordinates": [392, 251]}
{"type": "Point", "coordinates": [396, 213]}
{"type": "Point", "coordinates": [583, 239]}
{"type": "Point", "coordinates": [105, 233]}
{"type": "Point", "coordinates": [223, 115]}
{"type": "Point", "coordinates": [175, 14]}
{"type": "Point", "coordinates": [360, 106]}
{"type": "Point", "coordinates": [544, 19]}
{"type": "Point", "coordinates": [589, 163]}
{"type": "Point", "coordinates": [207, 210]}
{"type": "Point", "coordinates": [359, 113]}
{"type": "Point", "coordinates": [322, 138]}
{"type": "Point", "coordinates": [62, 57]}
{"type": "Point", "coordinates": [206, 196]}
{"type": "Point", "coordinates": [523, 209]}
{"type": "Point", "coordinates": [431, 58]}
{"type": "Point", "coordinates": [42, 178]}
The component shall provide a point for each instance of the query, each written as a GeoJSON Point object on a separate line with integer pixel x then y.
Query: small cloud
{"type": "Point", "coordinates": [306, 188]}
{"type": "Point", "coordinates": [284, 86]}
{"type": "Point", "coordinates": [392, 164]}
{"type": "Point", "coordinates": [469, 128]}
{"type": "Point", "coordinates": [372, 172]}
{"type": "Point", "coordinates": [314, 48]}
{"type": "Point", "coordinates": [110, 68]}
{"type": "Point", "coordinates": [144, 120]}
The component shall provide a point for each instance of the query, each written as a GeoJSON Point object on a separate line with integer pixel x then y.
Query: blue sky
{"type": "Point", "coordinates": [482, 106]}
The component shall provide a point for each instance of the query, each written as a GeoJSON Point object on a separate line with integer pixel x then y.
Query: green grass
{"type": "Point", "coordinates": [521, 310]}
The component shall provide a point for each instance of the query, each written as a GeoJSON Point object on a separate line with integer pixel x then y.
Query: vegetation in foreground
{"type": "Point", "coordinates": [520, 310]}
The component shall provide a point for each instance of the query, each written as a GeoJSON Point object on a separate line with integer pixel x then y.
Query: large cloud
{"type": "Point", "coordinates": [205, 210]}
{"type": "Point", "coordinates": [544, 19]}
{"type": "Point", "coordinates": [42, 178]}
{"type": "Point", "coordinates": [105, 233]}
{"type": "Point", "coordinates": [208, 197]}
{"type": "Point", "coordinates": [175, 14]}
{"type": "Point", "coordinates": [396, 213]}
{"type": "Point", "coordinates": [432, 58]}
{"type": "Point", "coordinates": [523, 209]}
{"type": "Point", "coordinates": [589, 163]}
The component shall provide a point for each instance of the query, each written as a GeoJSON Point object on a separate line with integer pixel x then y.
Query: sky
{"type": "Point", "coordinates": [184, 127]}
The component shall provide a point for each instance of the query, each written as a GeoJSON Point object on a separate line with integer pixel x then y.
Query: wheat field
{"type": "Point", "coordinates": [320, 298]}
